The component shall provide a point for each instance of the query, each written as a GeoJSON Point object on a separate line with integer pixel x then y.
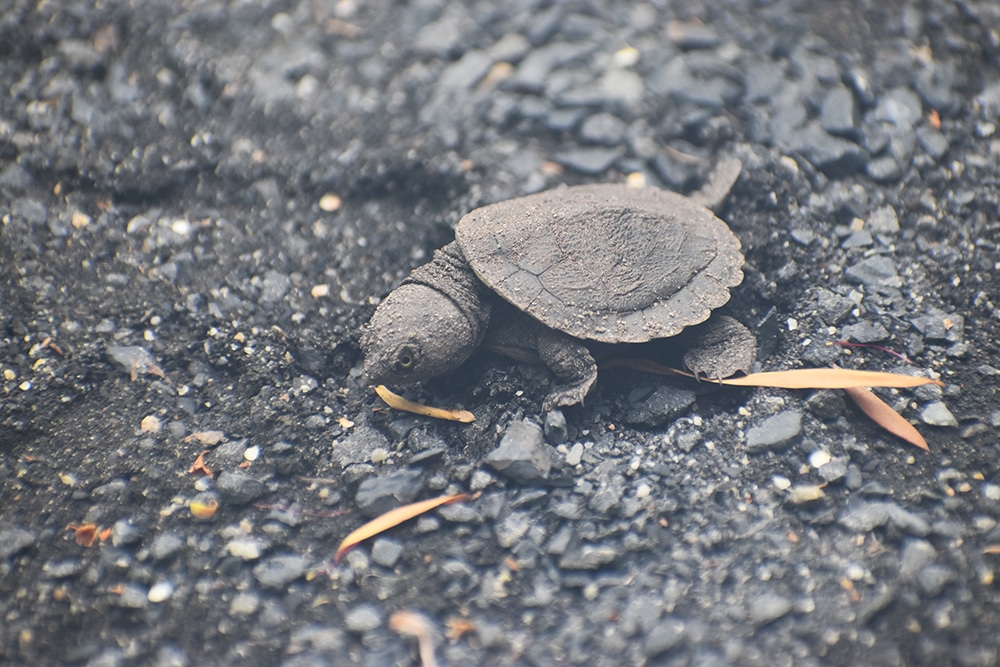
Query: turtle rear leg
{"type": "Point", "coordinates": [720, 347]}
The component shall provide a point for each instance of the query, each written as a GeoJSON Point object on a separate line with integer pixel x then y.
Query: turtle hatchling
{"type": "Point", "coordinates": [537, 277]}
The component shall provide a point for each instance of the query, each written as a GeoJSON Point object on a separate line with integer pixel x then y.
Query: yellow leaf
{"type": "Point", "coordinates": [886, 417]}
{"type": "Point", "coordinates": [828, 378]}
{"type": "Point", "coordinates": [399, 403]}
{"type": "Point", "coordinates": [392, 519]}
{"type": "Point", "coordinates": [416, 625]}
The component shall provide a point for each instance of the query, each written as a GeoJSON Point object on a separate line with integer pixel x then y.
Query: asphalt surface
{"type": "Point", "coordinates": [201, 203]}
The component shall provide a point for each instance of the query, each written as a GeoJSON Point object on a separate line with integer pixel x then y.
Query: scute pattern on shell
{"type": "Point", "coordinates": [605, 262]}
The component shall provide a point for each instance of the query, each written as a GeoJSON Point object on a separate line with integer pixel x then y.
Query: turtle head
{"type": "Point", "coordinates": [416, 334]}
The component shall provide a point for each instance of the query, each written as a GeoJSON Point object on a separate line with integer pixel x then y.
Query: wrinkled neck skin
{"type": "Point", "coordinates": [428, 325]}
{"type": "Point", "coordinates": [450, 274]}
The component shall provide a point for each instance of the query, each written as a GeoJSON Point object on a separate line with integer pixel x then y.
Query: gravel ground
{"type": "Point", "coordinates": [202, 201]}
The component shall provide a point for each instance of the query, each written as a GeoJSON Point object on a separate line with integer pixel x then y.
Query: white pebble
{"type": "Point", "coordinates": [160, 592]}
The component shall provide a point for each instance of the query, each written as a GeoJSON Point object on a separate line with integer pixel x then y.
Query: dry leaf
{"type": "Point", "coordinates": [992, 549]}
{"type": "Point", "coordinates": [393, 518]}
{"type": "Point", "coordinates": [199, 467]}
{"type": "Point", "coordinates": [416, 625]}
{"type": "Point", "coordinates": [457, 627]}
{"type": "Point", "coordinates": [828, 378]}
{"type": "Point", "coordinates": [85, 533]}
{"type": "Point", "coordinates": [399, 403]}
{"type": "Point", "coordinates": [210, 438]}
{"type": "Point", "coordinates": [886, 417]}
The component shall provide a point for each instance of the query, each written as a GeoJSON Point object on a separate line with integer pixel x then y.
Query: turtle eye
{"type": "Point", "coordinates": [406, 357]}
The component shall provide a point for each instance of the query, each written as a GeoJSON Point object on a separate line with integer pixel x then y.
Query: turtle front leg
{"type": "Point", "coordinates": [524, 339]}
{"type": "Point", "coordinates": [572, 364]}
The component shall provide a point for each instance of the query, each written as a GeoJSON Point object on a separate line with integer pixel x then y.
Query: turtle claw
{"type": "Point", "coordinates": [566, 395]}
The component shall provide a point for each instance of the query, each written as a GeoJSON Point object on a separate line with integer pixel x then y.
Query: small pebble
{"type": "Point", "coordinates": [150, 424]}
{"type": "Point", "coordinates": [160, 592]}
{"type": "Point", "coordinates": [363, 618]}
{"type": "Point", "coordinates": [937, 414]}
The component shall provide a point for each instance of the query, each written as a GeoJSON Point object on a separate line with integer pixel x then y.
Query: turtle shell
{"type": "Point", "coordinates": [605, 262]}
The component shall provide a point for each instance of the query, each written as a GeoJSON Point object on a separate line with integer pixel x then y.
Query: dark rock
{"type": "Point", "coordinates": [31, 211]}
{"type": "Point", "coordinates": [588, 160]}
{"type": "Point", "coordinates": [555, 428]}
{"type": "Point", "coordinates": [768, 607]}
{"type": "Point", "coordinates": [939, 326]}
{"type": "Point", "coordinates": [934, 578]}
{"type": "Point", "coordinates": [377, 495]}
{"type": "Point", "coordinates": [865, 332]}
{"type": "Point", "coordinates": [937, 414]}
{"type": "Point", "coordinates": [838, 115]}
{"type": "Point", "coordinates": [125, 533]}
{"type": "Point", "coordinates": [239, 487]}
{"type": "Point", "coordinates": [274, 286]}
{"type": "Point", "coordinates": [885, 169]}
{"type": "Point", "coordinates": [774, 433]}
{"type": "Point", "coordinates": [884, 221]}
{"type": "Point", "coordinates": [533, 72]}
{"type": "Point", "coordinates": [279, 571]}
{"type": "Point", "coordinates": [692, 35]}
{"type": "Point", "coordinates": [589, 556]}
{"type": "Point", "coordinates": [666, 403]}
{"type": "Point", "coordinates": [363, 618]}
{"type": "Point", "coordinates": [835, 157]}
{"type": "Point", "coordinates": [835, 470]}
{"type": "Point", "coordinates": [133, 359]}
{"type": "Point", "coordinates": [866, 516]}
{"type": "Point", "coordinates": [522, 454]}
{"type": "Point", "coordinates": [15, 177]}
{"type": "Point", "coordinates": [13, 540]}
{"type": "Point", "coordinates": [166, 545]}
{"type": "Point", "coordinates": [604, 129]}
{"type": "Point", "coordinates": [900, 106]}
{"type": "Point", "coordinates": [358, 446]}
{"type": "Point", "coordinates": [933, 142]}
{"type": "Point", "coordinates": [668, 634]}
{"type": "Point", "coordinates": [916, 554]}
{"type": "Point", "coordinates": [386, 552]}
{"type": "Point", "coordinates": [832, 307]}
{"type": "Point", "coordinates": [875, 271]}
{"type": "Point", "coordinates": [826, 404]}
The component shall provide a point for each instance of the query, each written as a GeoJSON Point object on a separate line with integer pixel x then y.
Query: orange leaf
{"type": "Point", "coordinates": [886, 417]}
{"type": "Point", "coordinates": [398, 402]}
{"type": "Point", "coordinates": [458, 627]}
{"type": "Point", "coordinates": [199, 467]}
{"type": "Point", "coordinates": [416, 625]}
{"type": "Point", "coordinates": [393, 518]}
{"type": "Point", "coordinates": [828, 378]}
{"type": "Point", "coordinates": [85, 533]}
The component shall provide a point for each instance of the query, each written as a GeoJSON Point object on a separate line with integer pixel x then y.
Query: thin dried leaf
{"type": "Point", "coordinates": [886, 417]}
{"type": "Point", "coordinates": [399, 403]}
{"type": "Point", "coordinates": [993, 549]}
{"type": "Point", "coordinates": [199, 467]}
{"type": "Point", "coordinates": [828, 378]}
{"type": "Point", "coordinates": [392, 519]}
{"type": "Point", "coordinates": [415, 625]}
